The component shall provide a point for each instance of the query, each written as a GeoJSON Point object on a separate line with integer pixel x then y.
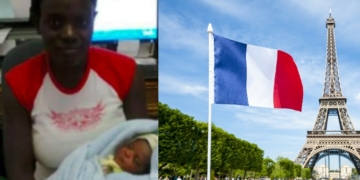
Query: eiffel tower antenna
{"type": "Point", "coordinates": [322, 142]}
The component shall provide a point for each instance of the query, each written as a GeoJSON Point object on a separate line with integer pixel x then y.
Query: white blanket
{"type": "Point", "coordinates": [83, 163]}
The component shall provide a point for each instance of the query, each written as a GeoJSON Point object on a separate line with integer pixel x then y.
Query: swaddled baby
{"type": "Point", "coordinates": [133, 157]}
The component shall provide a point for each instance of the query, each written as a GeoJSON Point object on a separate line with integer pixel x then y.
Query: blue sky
{"type": "Point", "coordinates": [295, 26]}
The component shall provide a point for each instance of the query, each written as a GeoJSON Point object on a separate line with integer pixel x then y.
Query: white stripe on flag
{"type": "Point", "coordinates": [261, 67]}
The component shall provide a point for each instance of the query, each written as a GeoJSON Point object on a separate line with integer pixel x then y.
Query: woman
{"type": "Point", "coordinates": [66, 96]}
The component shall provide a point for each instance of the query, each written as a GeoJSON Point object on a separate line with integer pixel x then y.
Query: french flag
{"type": "Point", "coordinates": [254, 76]}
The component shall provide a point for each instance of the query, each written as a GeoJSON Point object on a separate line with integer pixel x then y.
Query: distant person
{"type": "Point", "coordinates": [67, 95]}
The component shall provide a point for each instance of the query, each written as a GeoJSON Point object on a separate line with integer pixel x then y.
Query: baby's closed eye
{"type": "Point", "coordinates": [137, 161]}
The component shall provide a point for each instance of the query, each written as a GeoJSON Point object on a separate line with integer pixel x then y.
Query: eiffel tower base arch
{"type": "Point", "coordinates": [319, 145]}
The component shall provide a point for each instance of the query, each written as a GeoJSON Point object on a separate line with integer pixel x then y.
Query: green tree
{"type": "Point", "coordinates": [212, 175]}
{"type": "Point", "coordinates": [253, 157]}
{"type": "Point", "coordinates": [230, 153]}
{"type": "Point", "coordinates": [239, 154]}
{"type": "Point", "coordinates": [199, 156]}
{"type": "Point", "coordinates": [288, 167]}
{"type": "Point", "coordinates": [297, 170]}
{"type": "Point", "coordinates": [277, 172]}
{"type": "Point", "coordinates": [217, 147]}
{"type": "Point", "coordinates": [182, 140]}
{"type": "Point", "coordinates": [306, 173]}
{"type": "Point", "coordinates": [177, 139]}
{"type": "Point", "coordinates": [354, 171]}
{"type": "Point", "coordinates": [268, 166]}
{"type": "Point", "coordinates": [183, 144]}
{"type": "Point", "coordinates": [222, 166]}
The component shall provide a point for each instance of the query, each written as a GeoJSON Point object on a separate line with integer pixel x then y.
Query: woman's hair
{"type": "Point", "coordinates": [35, 9]}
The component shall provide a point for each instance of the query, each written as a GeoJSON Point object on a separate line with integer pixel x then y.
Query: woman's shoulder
{"type": "Point", "coordinates": [31, 68]}
{"type": "Point", "coordinates": [25, 79]}
{"type": "Point", "coordinates": [112, 64]}
{"type": "Point", "coordinates": [116, 69]}
{"type": "Point", "coordinates": [105, 56]}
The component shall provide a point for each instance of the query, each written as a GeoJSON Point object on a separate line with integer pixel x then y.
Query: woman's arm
{"type": "Point", "coordinates": [135, 103]}
{"type": "Point", "coordinates": [17, 130]}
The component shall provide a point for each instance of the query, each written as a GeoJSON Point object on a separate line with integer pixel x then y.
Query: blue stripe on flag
{"type": "Point", "coordinates": [230, 72]}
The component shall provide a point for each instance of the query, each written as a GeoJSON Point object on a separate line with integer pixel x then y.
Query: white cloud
{"type": "Point", "coordinates": [275, 138]}
{"type": "Point", "coordinates": [185, 31]}
{"type": "Point", "coordinates": [231, 7]}
{"type": "Point", "coordinates": [358, 96]}
{"type": "Point", "coordinates": [270, 142]}
{"type": "Point", "coordinates": [320, 9]}
{"type": "Point", "coordinates": [312, 73]}
{"type": "Point", "coordinates": [252, 13]}
{"type": "Point", "coordinates": [349, 78]}
{"type": "Point", "coordinates": [356, 121]}
{"type": "Point", "coordinates": [181, 31]}
{"type": "Point", "coordinates": [279, 118]}
{"type": "Point", "coordinates": [287, 119]}
{"type": "Point", "coordinates": [172, 85]}
{"type": "Point", "coordinates": [287, 153]}
{"type": "Point", "coordinates": [345, 14]}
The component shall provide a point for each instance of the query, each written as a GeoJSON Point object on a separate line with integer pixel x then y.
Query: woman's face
{"type": "Point", "coordinates": [66, 27]}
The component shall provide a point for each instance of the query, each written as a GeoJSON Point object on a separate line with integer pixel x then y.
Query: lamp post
{"type": "Point", "coordinates": [197, 131]}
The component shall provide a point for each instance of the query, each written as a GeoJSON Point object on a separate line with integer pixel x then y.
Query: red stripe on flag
{"type": "Point", "coordinates": [288, 89]}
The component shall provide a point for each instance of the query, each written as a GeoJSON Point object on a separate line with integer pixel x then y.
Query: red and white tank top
{"type": "Point", "coordinates": [64, 119]}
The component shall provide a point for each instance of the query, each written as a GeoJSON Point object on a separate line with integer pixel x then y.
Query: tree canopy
{"type": "Point", "coordinates": [183, 144]}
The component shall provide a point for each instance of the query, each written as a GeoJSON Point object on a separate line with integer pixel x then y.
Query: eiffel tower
{"type": "Point", "coordinates": [320, 142]}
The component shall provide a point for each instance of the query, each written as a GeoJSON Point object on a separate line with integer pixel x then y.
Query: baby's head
{"type": "Point", "coordinates": [134, 157]}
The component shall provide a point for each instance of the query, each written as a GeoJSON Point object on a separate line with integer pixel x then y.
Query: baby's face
{"type": "Point", "coordinates": [134, 157]}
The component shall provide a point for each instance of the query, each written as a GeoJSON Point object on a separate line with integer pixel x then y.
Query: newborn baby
{"type": "Point", "coordinates": [132, 157]}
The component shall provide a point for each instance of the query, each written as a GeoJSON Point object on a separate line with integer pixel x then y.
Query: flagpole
{"type": "Point", "coordinates": [211, 94]}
